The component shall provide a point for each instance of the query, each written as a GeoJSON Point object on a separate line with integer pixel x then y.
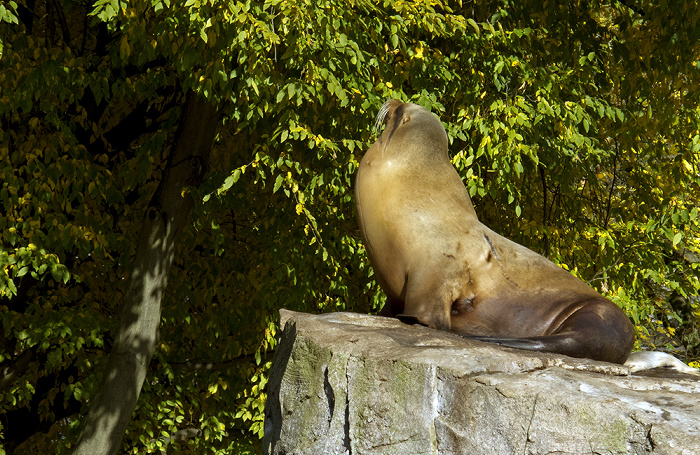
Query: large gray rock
{"type": "Point", "coordinates": [346, 383]}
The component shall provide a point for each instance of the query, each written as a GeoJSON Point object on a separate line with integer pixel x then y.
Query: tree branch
{"type": "Point", "coordinates": [632, 7]}
{"type": "Point", "coordinates": [18, 366]}
{"type": "Point", "coordinates": [61, 18]}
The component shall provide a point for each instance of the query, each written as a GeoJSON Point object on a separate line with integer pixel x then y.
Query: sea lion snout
{"type": "Point", "coordinates": [386, 113]}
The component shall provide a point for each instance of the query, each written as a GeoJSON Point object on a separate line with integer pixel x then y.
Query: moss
{"type": "Point", "coordinates": [603, 435]}
{"type": "Point", "coordinates": [386, 395]}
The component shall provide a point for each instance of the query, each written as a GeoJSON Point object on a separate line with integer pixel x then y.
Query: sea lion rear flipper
{"type": "Point", "coordinates": [596, 330]}
{"type": "Point", "coordinates": [574, 344]}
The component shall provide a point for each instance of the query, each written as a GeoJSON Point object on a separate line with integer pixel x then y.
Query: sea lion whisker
{"type": "Point", "coordinates": [381, 116]}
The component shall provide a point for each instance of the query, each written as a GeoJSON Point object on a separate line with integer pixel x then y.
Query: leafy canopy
{"type": "Point", "coordinates": [574, 125]}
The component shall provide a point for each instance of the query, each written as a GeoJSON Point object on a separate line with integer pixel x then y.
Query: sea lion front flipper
{"type": "Point", "coordinates": [410, 320]}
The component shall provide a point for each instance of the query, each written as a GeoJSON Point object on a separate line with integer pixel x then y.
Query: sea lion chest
{"type": "Point", "coordinates": [410, 216]}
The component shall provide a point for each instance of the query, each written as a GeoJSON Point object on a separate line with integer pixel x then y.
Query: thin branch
{"type": "Point", "coordinates": [556, 197]}
{"type": "Point", "coordinates": [199, 365]}
{"type": "Point", "coordinates": [612, 186]}
{"type": "Point", "coordinates": [602, 274]}
{"type": "Point", "coordinates": [544, 209]}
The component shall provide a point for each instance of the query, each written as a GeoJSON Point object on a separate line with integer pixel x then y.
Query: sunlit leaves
{"type": "Point", "coordinates": [8, 13]}
{"type": "Point", "coordinates": [107, 9]}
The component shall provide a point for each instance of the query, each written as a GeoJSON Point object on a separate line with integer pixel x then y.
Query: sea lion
{"type": "Point", "coordinates": [439, 265]}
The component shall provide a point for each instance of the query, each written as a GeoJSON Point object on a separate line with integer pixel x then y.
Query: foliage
{"type": "Point", "coordinates": [575, 126]}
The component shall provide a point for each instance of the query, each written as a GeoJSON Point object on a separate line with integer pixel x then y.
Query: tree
{"type": "Point", "coordinates": [575, 126]}
{"type": "Point", "coordinates": [166, 217]}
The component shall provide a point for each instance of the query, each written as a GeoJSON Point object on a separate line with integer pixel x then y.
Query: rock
{"type": "Point", "coordinates": [345, 383]}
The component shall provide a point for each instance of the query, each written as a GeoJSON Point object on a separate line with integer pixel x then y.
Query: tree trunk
{"type": "Point", "coordinates": [167, 214]}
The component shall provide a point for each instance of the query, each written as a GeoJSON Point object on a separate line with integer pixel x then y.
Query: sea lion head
{"type": "Point", "coordinates": [410, 130]}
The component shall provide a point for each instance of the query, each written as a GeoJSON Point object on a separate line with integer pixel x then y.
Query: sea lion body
{"type": "Point", "coordinates": [438, 264]}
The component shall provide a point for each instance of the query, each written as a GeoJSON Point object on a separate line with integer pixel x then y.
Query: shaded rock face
{"type": "Point", "coordinates": [346, 383]}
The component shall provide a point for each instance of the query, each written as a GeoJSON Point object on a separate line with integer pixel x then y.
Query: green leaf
{"type": "Point", "coordinates": [474, 25]}
{"type": "Point", "coordinates": [518, 169]}
{"type": "Point", "coordinates": [677, 238]}
{"type": "Point", "coordinates": [278, 183]}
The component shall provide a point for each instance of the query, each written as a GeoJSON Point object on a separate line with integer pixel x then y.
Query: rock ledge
{"type": "Point", "coordinates": [345, 383]}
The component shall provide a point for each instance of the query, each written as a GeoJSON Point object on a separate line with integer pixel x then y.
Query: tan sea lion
{"type": "Point", "coordinates": [438, 264]}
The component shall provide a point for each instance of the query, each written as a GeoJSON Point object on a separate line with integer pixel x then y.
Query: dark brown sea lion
{"type": "Point", "coordinates": [438, 264]}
